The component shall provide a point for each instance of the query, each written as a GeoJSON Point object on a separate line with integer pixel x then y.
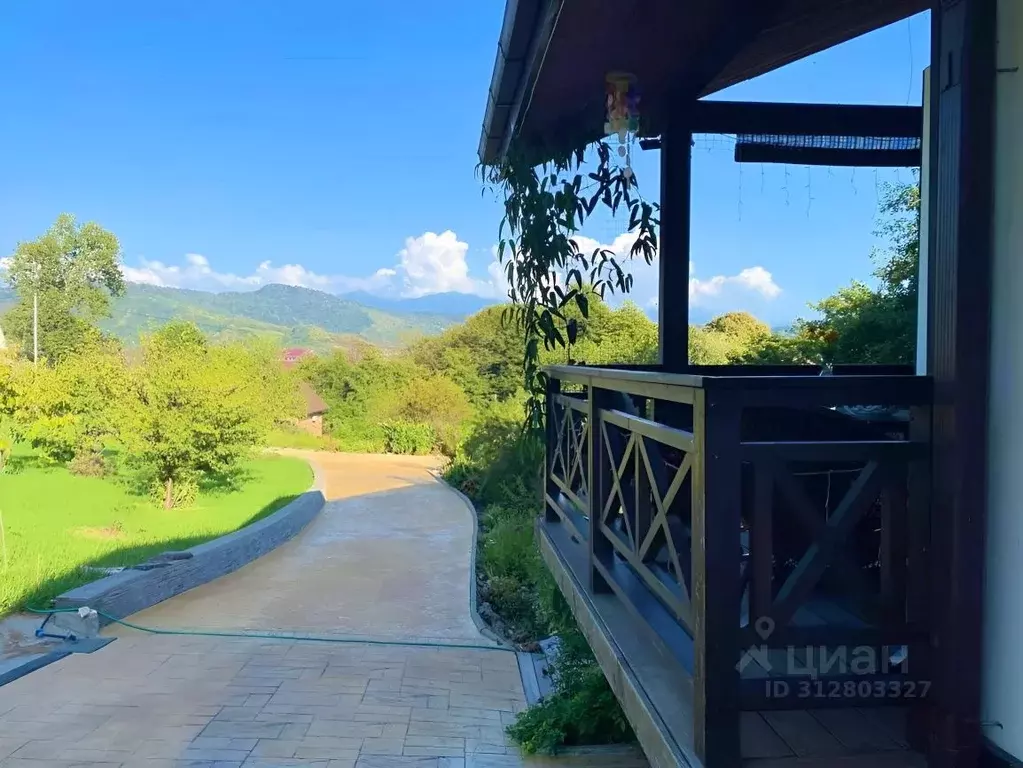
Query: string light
{"type": "Point", "coordinates": [809, 191]}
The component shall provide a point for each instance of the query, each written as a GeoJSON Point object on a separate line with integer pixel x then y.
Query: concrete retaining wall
{"type": "Point", "coordinates": [122, 594]}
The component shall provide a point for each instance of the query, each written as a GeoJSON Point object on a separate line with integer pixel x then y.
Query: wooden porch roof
{"type": "Point", "coordinates": [553, 55]}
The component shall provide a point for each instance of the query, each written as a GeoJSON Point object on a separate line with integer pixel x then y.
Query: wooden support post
{"type": "Point", "coordinates": [960, 244]}
{"type": "Point", "coordinates": [717, 501]}
{"type": "Point", "coordinates": [597, 468]}
{"type": "Point", "coordinates": [551, 428]}
{"type": "Point", "coordinates": [918, 538]}
{"type": "Point", "coordinates": [761, 561]}
{"type": "Point", "coordinates": [673, 293]}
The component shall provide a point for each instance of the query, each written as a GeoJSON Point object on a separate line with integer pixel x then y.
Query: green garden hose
{"type": "Point", "coordinates": [272, 636]}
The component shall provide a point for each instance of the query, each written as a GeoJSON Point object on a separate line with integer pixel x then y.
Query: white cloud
{"type": "Point", "coordinates": [436, 263]}
{"type": "Point", "coordinates": [5, 263]}
{"type": "Point", "coordinates": [197, 273]}
{"type": "Point", "coordinates": [752, 279]}
{"type": "Point", "coordinates": [752, 283]}
{"type": "Point", "coordinates": [433, 263]}
{"type": "Point", "coordinates": [430, 263]}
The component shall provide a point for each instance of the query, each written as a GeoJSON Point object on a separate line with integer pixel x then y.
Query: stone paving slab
{"type": "Point", "coordinates": [148, 700]}
{"type": "Point", "coordinates": [389, 557]}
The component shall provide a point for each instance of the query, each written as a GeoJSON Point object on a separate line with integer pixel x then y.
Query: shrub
{"type": "Point", "coordinates": [508, 548]}
{"type": "Point", "coordinates": [437, 402]}
{"type": "Point", "coordinates": [581, 708]}
{"type": "Point", "coordinates": [88, 464]}
{"type": "Point", "coordinates": [499, 466]}
{"type": "Point", "coordinates": [464, 475]}
{"type": "Point", "coordinates": [183, 494]}
{"type": "Point", "coordinates": [288, 436]}
{"type": "Point", "coordinates": [408, 437]}
{"type": "Point", "coordinates": [5, 452]}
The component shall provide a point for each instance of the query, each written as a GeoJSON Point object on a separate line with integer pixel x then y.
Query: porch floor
{"type": "Point", "coordinates": [845, 738]}
{"type": "Point", "coordinates": [655, 688]}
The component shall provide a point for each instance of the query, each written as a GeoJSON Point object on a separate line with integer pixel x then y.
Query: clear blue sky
{"type": "Point", "coordinates": [233, 143]}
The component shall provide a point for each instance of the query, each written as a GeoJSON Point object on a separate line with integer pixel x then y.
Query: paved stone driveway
{"type": "Point", "coordinates": [387, 559]}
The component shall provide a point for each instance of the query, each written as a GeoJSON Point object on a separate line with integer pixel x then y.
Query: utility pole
{"type": "Point", "coordinates": [35, 328]}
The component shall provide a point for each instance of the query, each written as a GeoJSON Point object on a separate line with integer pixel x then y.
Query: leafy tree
{"type": "Point", "coordinates": [864, 325]}
{"type": "Point", "coordinates": [860, 324]}
{"type": "Point", "coordinates": [483, 354]}
{"type": "Point", "coordinates": [194, 410]}
{"type": "Point", "coordinates": [437, 402]}
{"type": "Point", "coordinates": [67, 411]}
{"type": "Point", "coordinates": [279, 399]}
{"type": "Point", "coordinates": [605, 336]}
{"type": "Point", "coordinates": [710, 347]}
{"type": "Point", "coordinates": [73, 270]}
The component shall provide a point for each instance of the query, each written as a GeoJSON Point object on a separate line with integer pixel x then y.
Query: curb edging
{"type": "Point", "coordinates": [122, 594]}
{"type": "Point", "coordinates": [481, 625]}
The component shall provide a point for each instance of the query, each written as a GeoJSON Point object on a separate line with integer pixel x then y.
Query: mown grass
{"type": "Point", "coordinates": [55, 522]}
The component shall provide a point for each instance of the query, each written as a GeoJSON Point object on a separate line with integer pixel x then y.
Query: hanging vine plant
{"type": "Point", "coordinates": [545, 208]}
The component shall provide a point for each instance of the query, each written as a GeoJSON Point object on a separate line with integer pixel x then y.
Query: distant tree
{"type": "Point", "coordinates": [73, 270]}
{"type": "Point", "coordinates": [194, 410]}
{"type": "Point", "coordinates": [742, 327]}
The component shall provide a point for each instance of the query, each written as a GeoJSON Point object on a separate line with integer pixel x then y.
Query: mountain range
{"type": "Point", "coordinates": [291, 316]}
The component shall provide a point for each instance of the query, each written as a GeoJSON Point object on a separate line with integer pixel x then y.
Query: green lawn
{"type": "Point", "coordinates": [56, 522]}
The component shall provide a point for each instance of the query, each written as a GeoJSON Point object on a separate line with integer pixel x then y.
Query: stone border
{"type": "Point", "coordinates": [122, 594]}
{"type": "Point", "coordinates": [530, 688]}
{"type": "Point", "coordinates": [481, 625]}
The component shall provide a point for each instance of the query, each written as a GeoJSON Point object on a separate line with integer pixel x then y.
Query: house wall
{"type": "Point", "coordinates": [1002, 701]}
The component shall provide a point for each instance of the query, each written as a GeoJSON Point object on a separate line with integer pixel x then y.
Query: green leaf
{"type": "Point", "coordinates": [583, 303]}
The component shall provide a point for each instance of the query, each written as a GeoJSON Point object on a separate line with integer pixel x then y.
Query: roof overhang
{"type": "Point", "coordinates": [553, 56]}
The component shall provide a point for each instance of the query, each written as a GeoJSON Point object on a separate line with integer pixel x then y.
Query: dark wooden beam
{"type": "Point", "coordinates": [962, 117]}
{"type": "Point", "coordinates": [673, 261]}
{"type": "Point", "coordinates": [807, 119]}
{"type": "Point", "coordinates": [837, 158]}
{"type": "Point", "coordinates": [735, 117]}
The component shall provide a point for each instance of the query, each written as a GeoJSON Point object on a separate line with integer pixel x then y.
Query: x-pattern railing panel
{"type": "Point", "coordinates": [643, 500]}
{"type": "Point", "coordinates": [569, 458]}
{"type": "Point", "coordinates": [875, 476]}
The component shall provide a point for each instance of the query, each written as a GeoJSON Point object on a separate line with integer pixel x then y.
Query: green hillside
{"type": "Point", "coordinates": [292, 317]}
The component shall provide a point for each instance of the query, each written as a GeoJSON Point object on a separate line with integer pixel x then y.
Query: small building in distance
{"type": "Point", "coordinates": [315, 407]}
{"type": "Point", "coordinates": [291, 357]}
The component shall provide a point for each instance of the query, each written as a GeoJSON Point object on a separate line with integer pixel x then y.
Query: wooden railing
{"type": "Point", "coordinates": [739, 511]}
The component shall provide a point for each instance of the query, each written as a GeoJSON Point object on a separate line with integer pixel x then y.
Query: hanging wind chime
{"type": "Point", "coordinates": [622, 115]}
